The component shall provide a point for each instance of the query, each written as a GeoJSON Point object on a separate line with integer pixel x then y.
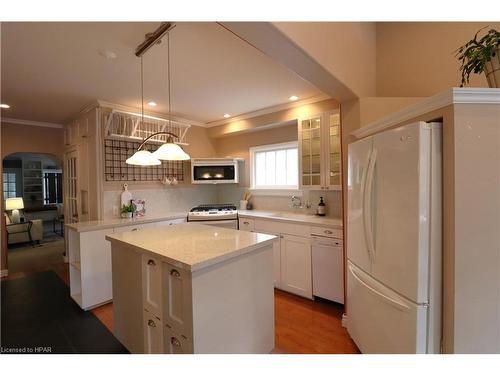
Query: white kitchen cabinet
{"type": "Point", "coordinates": [153, 334]}
{"type": "Point", "coordinates": [89, 256]}
{"type": "Point", "coordinates": [296, 271]}
{"type": "Point", "coordinates": [276, 259]}
{"type": "Point", "coordinates": [246, 224]}
{"type": "Point", "coordinates": [320, 152]}
{"type": "Point", "coordinates": [175, 343]}
{"type": "Point", "coordinates": [151, 281]}
{"type": "Point", "coordinates": [177, 313]}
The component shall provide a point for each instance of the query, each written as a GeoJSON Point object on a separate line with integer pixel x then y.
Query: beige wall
{"type": "Point", "coordinates": [417, 58]}
{"type": "Point", "coordinates": [346, 49]}
{"type": "Point", "coordinates": [238, 145]}
{"type": "Point", "coordinates": [27, 138]}
{"type": "Point", "coordinates": [236, 126]}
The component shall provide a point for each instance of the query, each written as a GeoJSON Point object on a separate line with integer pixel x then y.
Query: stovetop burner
{"type": "Point", "coordinates": [213, 207]}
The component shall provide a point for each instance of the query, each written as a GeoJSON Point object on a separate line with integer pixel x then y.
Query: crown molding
{"type": "Point", "coordinates": [455, 95]}
{"type": "Point", "coordinates": [32, 123]}
{"type": "Point", "coordinates": [267, 110]}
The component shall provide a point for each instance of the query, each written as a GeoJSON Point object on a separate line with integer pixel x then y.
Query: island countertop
{"type": "Point", "coordinates": [193, 246]}
{"type": "Point", "coordinates": [86, 226]}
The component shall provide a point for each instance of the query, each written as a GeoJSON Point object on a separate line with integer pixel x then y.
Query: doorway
{"type": "Point", "coordinates": [33, 193]}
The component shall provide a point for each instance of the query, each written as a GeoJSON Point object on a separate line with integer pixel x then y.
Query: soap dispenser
{"type": "Point", "coordinates": [321, 210]}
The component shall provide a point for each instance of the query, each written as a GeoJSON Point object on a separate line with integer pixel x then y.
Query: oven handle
{"type": "Point", "coordinates": [213, 221]}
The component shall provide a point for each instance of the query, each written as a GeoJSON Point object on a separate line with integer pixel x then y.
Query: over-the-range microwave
{"type": "Point", "coordinates": [214, 171]}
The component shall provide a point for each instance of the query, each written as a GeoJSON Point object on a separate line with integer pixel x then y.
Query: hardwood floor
{"type": "Point", "coordinates": [301, 326]}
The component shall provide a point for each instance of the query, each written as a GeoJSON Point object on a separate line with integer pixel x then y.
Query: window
{"type": "Point", "coordinates": [274, 166]}
{"type": "Point", "coordinates": [52, 187]}
{"type": "Point", "coordinates": [9, 185]}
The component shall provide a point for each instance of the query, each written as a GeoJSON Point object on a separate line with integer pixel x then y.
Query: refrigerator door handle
{"type": "Point", "coordinates": [367, 205]}
{"type": "Point", "coordinates": [398, 304]}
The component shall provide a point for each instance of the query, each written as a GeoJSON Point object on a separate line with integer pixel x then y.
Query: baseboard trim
{"type": "Point", "coordinates": [4, 273]}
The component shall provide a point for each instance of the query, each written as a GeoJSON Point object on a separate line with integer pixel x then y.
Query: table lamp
{"type": "Point", "coordinates": [14, 205]}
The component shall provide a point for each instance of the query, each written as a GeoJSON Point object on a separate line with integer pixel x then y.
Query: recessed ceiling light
{"type": "Point", "coordinates": [227, 115]}
{"type": "Point", "coordinates": [6, 106]}
{"type": "Point", "coordinates": [152, 104]}
{"type": "Point", "coordinates": [293, 98]}
{"type": "Point", "coordinates": [107, 54]}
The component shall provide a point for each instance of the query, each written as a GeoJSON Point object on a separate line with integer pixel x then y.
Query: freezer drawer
{"type": "Point", "coordinates": [380, 320]}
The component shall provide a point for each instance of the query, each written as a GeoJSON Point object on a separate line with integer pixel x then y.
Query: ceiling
{"type": "Point", "coordinates": [52, 70]}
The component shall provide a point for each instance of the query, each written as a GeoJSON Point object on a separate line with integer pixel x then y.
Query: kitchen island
{"type": "Point", "coordinates": [192, 288]}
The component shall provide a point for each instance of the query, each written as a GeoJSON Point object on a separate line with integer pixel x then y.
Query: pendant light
{"type": "Point", "coordinates": [142, 157]}
{"type": "Point", "coordinates": [170, 150]}
{"type": "Point", "coordinates": [167, 151]}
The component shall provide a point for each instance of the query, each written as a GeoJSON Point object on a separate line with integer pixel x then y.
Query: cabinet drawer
{"type": "Point", "coordinates": [281, 227]}
{"type": "Point", "coordinates": [246, 224]}
{"type": "Point", "coordinates": [326, 232]}
{"type": "Point", "coordinates": [153, 334]}
{"type": "Point", "coordinates": [175, 343]}
{"type": "Point", "coordinates": [177, 303]}
{"type": "Point", "coordinates": [151, 285]}
{"type": "Point", "coordinates": [134, 228]}
{"type": "Point", "coordinates": [169, 222]}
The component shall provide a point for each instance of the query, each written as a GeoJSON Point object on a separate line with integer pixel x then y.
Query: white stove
{"type": "Point", "coordinates": [222, 215]}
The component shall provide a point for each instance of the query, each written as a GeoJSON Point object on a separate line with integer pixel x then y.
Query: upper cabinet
{"type": "Point", "coordinates": [319, 152]}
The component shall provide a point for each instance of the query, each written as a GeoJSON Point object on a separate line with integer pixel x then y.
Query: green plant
{"type": "Point", "coordinates": [128, 208]}
{"type": "Point", "coordinates": [476, 53]}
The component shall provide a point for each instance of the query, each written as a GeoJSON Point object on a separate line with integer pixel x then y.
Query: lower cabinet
{"type": "Point", "coordinates": [296, 276]}
{"type": "Point", "coordinates": [175, 343]}
{"type": "Point", "coordinates": [153, 334]}
{"type": "Point", "coordinates": [151, 280]}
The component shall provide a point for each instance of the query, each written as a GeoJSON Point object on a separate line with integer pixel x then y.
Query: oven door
{"type": "Point", "coordinates": [230, 224]}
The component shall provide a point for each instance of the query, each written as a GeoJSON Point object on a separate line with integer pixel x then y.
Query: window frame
{"type": "Point", "coordinates": [276, 189]}
{"type": "Point", "coordinates": [6, 193]}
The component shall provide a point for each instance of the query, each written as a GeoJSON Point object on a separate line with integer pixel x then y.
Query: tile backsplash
{"type": "Point", "coordinates": [163, 200]}
{"type": "Point", "coordinates": [182, 198]}
{"type": "Point", "coordinates": [332, 199]}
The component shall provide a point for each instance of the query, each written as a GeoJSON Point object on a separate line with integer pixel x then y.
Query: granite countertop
{"type": "Point", "coordinates": [86, 226]}
{"type": "Point", "coordinates": [193, 246]}
{"type": "Point", "coordinates": [292, 217]}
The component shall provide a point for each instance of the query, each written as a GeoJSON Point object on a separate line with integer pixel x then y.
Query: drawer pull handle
{"type": "Point", "coordinates": [135, 229]}
{"type": "Point", "coordinates": [151, 323]}
{"type": "Point", "coordinates": [175, 342]}
{"type": "Point", "coordinates": [151, 262]}
{"type": "Point", "coordinates": [175, 273]}
{"type": "Point", "coordinates": [328, 232]}
{"type": "Point", "coordinates": [246, 223]}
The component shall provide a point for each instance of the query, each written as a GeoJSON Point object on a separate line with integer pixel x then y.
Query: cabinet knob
{"type": "Point", "coordinates": [151, 323]}
{"type": "Point", "coordinates": [175, 273]}
{"type": "Point", "coordinates": [151, 262]}
{"type": "Point", "coordinates": [175, 342]}
{"type": "Point", "coordinates": [281, 236]}
{"type": "Point", "coordinates": [246, 222]}
{"type": "Point", "coordinates": [135, 229]}
{"type": "Point", "coordinates": [328, 232]}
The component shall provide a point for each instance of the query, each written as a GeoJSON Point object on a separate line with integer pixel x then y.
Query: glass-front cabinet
{"type": "Point", "coordinates": [319, 152]}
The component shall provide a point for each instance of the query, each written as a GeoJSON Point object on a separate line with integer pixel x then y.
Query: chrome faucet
{"type": "Point", "coordinates": [294, 200]}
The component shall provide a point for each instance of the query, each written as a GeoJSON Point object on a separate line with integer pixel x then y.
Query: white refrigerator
{"type": "Point", "coordinates": [394, 240]}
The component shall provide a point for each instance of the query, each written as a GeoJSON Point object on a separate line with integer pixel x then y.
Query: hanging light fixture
{"type": "Point", "coordinates": [169, 150]}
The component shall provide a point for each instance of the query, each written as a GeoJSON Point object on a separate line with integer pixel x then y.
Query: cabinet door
{"type": "Point", "coordinates": [311, 163]}
{"type": "Point", "coordinates": [151, 285]}
{"type": "Point", "coordinates": [296, 274]}
{"type": "Point", "coordinates": [177, 313]}
{"type": "Point", "coordinates": [153, 334]}
{"type": "Point", "coordinates": [246, 224]}
{"type": "Point", "coordinates": [175, 343]}
{"type": "Point", "coordinates": [331, 135]}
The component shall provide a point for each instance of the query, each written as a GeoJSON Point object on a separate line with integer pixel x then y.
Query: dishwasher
{"type": "Point", "coordinates": [328, 268]}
